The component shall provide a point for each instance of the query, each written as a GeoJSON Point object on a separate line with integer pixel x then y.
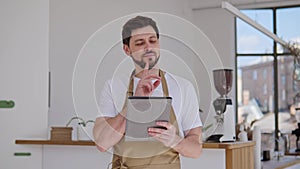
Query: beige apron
{"type": "Point", "coordinates": [146, 154]}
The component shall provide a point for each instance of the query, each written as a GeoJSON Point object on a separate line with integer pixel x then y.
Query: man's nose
{"type": "Point", "coordinates": [148, 46]}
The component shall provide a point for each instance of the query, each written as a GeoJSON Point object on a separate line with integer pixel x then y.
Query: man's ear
{"type": "Point", "coordinates": [127, 50]}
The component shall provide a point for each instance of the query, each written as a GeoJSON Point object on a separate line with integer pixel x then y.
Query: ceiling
{"type": "Point", "coordinates": [242, 4]}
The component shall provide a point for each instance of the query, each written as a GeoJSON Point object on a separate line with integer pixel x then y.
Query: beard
{"type": "Point", "coordinates": [142, 63]}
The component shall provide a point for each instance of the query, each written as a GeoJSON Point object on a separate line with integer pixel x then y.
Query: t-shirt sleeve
{"type": "Point", "coordinates": [190, 108]}
{"type": "Point", "coordinates": [106, 103]}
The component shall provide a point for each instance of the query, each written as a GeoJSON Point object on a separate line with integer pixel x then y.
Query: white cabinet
{"type": "Point", "coordinates": [75, 157]}
{"type": "Point", "coordinates": [210, 158]}
{"type": "Point", "coordinates": [78, 157]}
{"type": "Point", "coordinates": [24, 79]}
{"type": "Point", "coordinates": [79, 154]}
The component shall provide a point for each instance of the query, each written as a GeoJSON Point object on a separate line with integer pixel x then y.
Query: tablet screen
{"type": "Point", "coordinates": [142, 113]}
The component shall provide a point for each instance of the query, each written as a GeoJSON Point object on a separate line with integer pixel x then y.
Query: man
{"type": "Point", "coordinates": [182, 135]}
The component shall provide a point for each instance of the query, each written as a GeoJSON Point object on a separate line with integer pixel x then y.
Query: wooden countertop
{"type": "Point", "coordinates": [231, 145]}
{"type": "Point", "coordinates": [54, 142]}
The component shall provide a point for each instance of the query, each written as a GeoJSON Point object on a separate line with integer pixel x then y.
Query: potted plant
{"type": "Point", "coordinates": [294, 49]}
{"type": "Point", "coordinates": [84, 128]}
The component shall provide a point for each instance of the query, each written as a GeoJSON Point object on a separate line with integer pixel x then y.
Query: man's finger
{"type": "Point", "coordinates": [155, 130]}
{"type": "Point", "coordinates": [156, 84]}
{"type": "Point", "coordinates": [147, 65]}
{"type": "Point", "coordinates": [164, 124]}
{"type": "Point", "coordinates": [146, 69]}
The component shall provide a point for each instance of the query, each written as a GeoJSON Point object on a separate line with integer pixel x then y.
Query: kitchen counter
{"type": "Point", "coordinates": [233, 145]}
{"type": "Point", "coordinates": [235, 155]}
{"type": "Point", "coordinates": [55, 142]}
{"type": "Point", "coordinates": [238, 154]}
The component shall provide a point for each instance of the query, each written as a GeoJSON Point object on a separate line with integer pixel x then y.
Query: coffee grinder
{"type": "Point", "coordinates": [225, 115]}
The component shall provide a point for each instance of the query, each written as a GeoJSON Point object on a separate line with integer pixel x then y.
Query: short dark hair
{"type": "Point", "coordinates": [135, 23]}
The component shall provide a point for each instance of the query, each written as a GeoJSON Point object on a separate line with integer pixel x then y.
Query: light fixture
{"type": "Point", "coordinates": [248, 20]}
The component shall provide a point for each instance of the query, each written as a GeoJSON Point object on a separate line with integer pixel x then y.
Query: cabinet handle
{"type": "Point", "coordinates": [22, 154]}
{"type": "Point", "coordinates": [7, 104]}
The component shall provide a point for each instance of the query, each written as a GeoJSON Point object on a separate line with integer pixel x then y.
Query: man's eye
{"type": "Point", "coordinates": [153, 41]}
{"type": "Point", "coordinates": [139, 44]}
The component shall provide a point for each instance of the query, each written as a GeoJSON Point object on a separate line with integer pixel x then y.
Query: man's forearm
{"type": "Point", "coordinates": [108, 131]}
{"type": "Point", "coordinates": [191, 145]}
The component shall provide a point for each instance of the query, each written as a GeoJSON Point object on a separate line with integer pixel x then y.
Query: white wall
{"type": "Point", "coordinates": [24, 79]}
{"type": "Point", "coordinates": [72, 22]}
{"type": "Point", "coordinates": [218, 25]}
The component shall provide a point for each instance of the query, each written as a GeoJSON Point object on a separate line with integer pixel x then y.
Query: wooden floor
{"type": "Point", "coordinates": [296, 166]}
{"type": "Point", "coordinates": [285, 162]}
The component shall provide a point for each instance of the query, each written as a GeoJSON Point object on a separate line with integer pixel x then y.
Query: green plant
{"type": "Point", "coordinates": [80, 121]}
{"type": "Point", "coordinates": [204, 129]}
{"type": "Point", "coordinates": [84, 123]}
{"type": "Point", "coordinates": [294, 48]}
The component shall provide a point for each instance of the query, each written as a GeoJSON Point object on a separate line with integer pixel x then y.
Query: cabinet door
{"type": "Point", "coordinates": [23, 80]}
{"type": "Point", "coordinates": [210, 158]}
{"type": "Point", "coordinates": [82, 157]}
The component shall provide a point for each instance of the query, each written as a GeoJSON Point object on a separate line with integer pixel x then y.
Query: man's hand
{"type": "Point", "coordinates": [167, 136]}
{"type": "Point", "coordinates": [145, 87]}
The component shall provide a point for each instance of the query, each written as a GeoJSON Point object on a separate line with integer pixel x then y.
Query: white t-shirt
{"type": "Point", "coordinates": [184, 99]}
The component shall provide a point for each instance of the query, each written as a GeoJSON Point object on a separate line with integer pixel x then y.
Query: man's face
{"type": "Point", "coordinates": [143, 47]}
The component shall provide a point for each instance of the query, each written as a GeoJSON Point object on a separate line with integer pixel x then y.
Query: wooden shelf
{"type": "Point", "coordinates": [232, 145]}
{"type": "Point", "coordinates": [52, 142]}
{"type": "Point", "coordinates": [229, 145]}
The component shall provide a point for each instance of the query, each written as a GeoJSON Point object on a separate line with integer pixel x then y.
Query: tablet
{"type": "Point", "coordinates": [142, 113]}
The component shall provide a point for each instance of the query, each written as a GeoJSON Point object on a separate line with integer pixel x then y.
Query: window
{"type": "Point", "coordinates": [265, 89]}
{"type": "Point", "coordinates": [259, 58]}
{"type": "Point", "coordinates": [265, 74]}
{"type": "Point", "coordinates": [283, 77]}
{"type": "Point", "coordinates": [283, 95]}
{"type": "Point", "coordinates": [251, 40]}
{"type": "Point", "coordinates": [254, 75]}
